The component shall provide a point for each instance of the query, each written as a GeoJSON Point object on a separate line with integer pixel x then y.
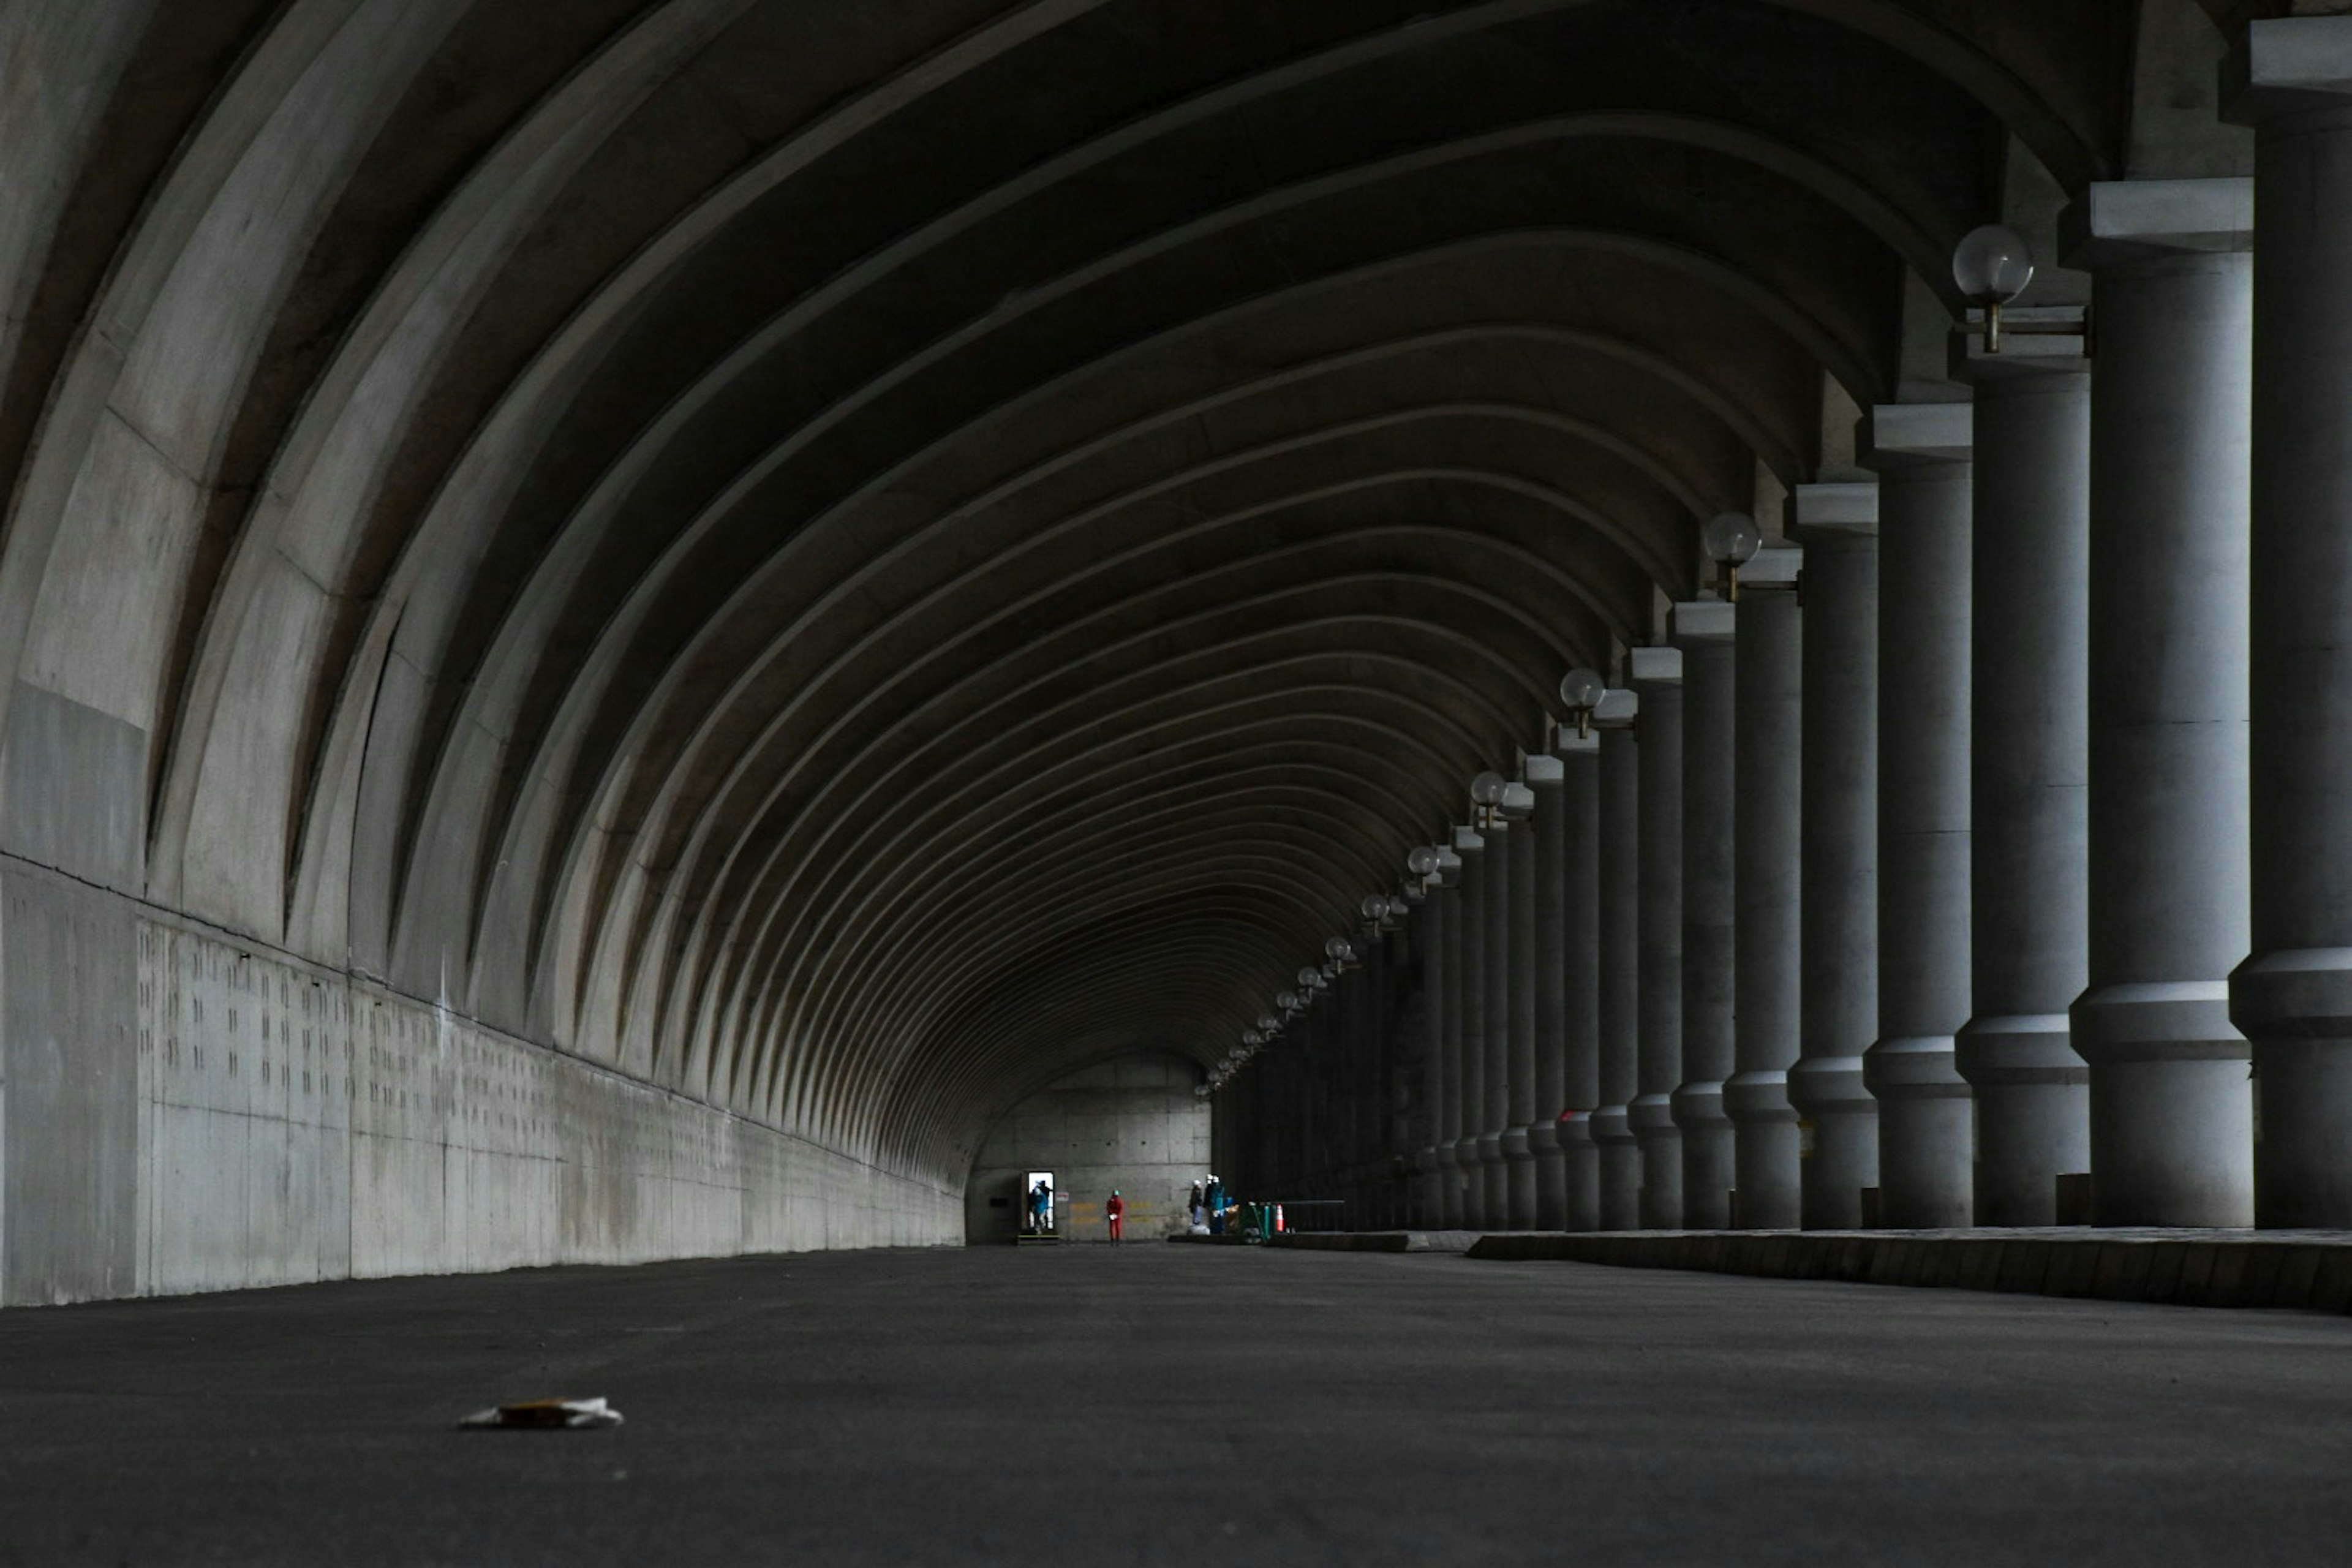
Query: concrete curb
{"type": "Point", "coordinates": [1382, 1240]}
{"type": "Point", "coordinates": [2230, 1269]}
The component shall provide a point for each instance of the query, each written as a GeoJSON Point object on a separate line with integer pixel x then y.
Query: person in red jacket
{"type": "Point", "coordinates": [1115, 1211]}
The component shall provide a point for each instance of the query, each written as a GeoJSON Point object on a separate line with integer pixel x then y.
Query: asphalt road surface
{"type": "Point", "coordinates": [1164, 1404]}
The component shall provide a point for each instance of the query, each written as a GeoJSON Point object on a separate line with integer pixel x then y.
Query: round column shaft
{"type": "Point", "coordinates": [1429, 922]}
{"type": "Point", "coordinates": [1924, 1137]}
{"type": "Point", "coordinates": [2293, 999]}
{"type": "Point", "coordinates": [1704, 631]}
{"type": "Point", "coordinates": [1495, 1120]}
{"type": "Point", "coordinates": [1431, 1113]}
{"type": "Point", "coordinates": [1658, 680]}
{"type": "Point", "coordinates": [1550, 830]}
{"type": "Point", "coordinates": [2171, 1110]}
{"type": "Point", "coordinates": [1520, 1150]}
{"type": "Point", "coordinates": [2027, 779]}
{"type": "Point", "coordinates": [1471, 1063]}
{"type": "Point", "coordinates": [1618, 1017]}
{"type": "Point", "coordinates": [1838, 962]}
{"type": "Point", "coordinates": [1577, 875]}
{"type": "Point", "coordinates": [1766, 821]}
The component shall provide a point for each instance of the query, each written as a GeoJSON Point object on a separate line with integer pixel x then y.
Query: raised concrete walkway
{"type": "Point", "coordinates": [2310, 1270]}
{"type": "Point", "coordinates": [1382, 1240]}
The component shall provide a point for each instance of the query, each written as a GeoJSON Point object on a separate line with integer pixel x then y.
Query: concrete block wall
{"type": "Point", "coordinates": [183, 1110]}
{"type": "Point", "coordinates": [1132, 1124]}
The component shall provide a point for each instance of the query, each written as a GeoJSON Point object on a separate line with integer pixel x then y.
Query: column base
{"type": "Point", "coordinates": [1551, 1175]}
{"type": "Point", "coordinates": [1580, 1175]}
{"type": "Point", "coordinates": [1924, 1140]}
{"type": "Point", "coordinates": [1837, 1140]}
{"type": "Point", "coordinates": [1618, 1169]}
{"type": "Point", "coordinates": [1659, 1206]}
{"type": "Point", "coordinates": [1455, 1182]}
{"type": "Point", "coordinates": [2172, 1135]}
{"type": "Point", "coordinates": [2033, 1112]}
{"type": "Point", "coordinates": [1765, 1150]}
{"type": "Point", "coordinates": [1518, 1179]}
{"type": "Point", "coordinates": [1491, 1182]}
{"type": "Point", "coordinates": [2296, 1006]}
{"type": "Point", "coordinates": [1707, 1161]}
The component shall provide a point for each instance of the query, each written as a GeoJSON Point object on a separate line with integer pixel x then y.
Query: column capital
{"type": "Point", "coordinates": [1566, 742]}
{"type": "Point", "coordinates": [1618, 707]}
{"type": "Point", "coordinates": [1656, 665]}
{"type": "Point", "coordinates": [1704, 620]}
{"type": "Point", "coordinates": [1540, 767]}
{"type": "Point", "coordinates": [1466, 841]}
{"type": "Point", "coordinates": [2288, 65]}
{"type": "Point", "coordinates": [1824, 514]}
{"type": "Point", "coordinates": [2116, 222]}
{"type": "Point", "coordinates": [1776, 567]}
{"type": "Point", "coordinates": [1897, 436]}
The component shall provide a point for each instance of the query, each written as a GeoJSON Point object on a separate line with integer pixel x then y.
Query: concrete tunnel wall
{"type": "Point", "coordinates": [186, 1109]}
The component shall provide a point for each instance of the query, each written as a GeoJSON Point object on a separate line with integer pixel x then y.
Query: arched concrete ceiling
{"type": "Point", "coordinates": [845, 558]}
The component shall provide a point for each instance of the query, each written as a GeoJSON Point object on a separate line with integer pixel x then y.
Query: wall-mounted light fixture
{"type": "Point", "coordinates": [1486, 799]}
{"type": "Point", "coordinates": [1992, 267]}
{"type": "Point", "coordinates": [1731, 540]}
{"type": "Point", "coordinates": [1581, 689]}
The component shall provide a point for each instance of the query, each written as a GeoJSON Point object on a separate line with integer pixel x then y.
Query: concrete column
{"type": "Point", "coordinates": [1468, 1208]}
{"type": "Point", "coordinates": [1619, 987]}
{"type": "Point", "coordinates": [2028, 774]}
{"type": "Point", "coordinates": [2293, 999]}
{"type": "Point", "coordinates": [1703, 632]}
{"type": "Point", "coordinates": [2171, 1110]}
{"type": "Point", "coordinates": [1519, 1151]}
{"type": "Point", "coordinates": [1838, 962]}
{"type": "Point", "coordinates": [1766, 821]}
{"type": "Point", "coordinates": [1494, 1168]}
{"type": "Point", "coordinates": [1548, 831]}
{"type": "Point", "coordinates": [1921, 453]}
{"type": "Point", "coordinates": [1658, 682]}
{"type": "Point", "coordinates": [1433, 1175]}
{"type": "Point", "coordinates": [1577, 962]}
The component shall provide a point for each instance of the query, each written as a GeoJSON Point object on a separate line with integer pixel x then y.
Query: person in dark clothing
{"type": "Point", "coordinates": [1041, 1208]}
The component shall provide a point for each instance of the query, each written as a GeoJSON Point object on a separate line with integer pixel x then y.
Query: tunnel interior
{"type": "Point", "coordinates": [627, 622]}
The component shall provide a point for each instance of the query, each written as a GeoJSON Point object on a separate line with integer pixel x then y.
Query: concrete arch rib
{"type": "Point", "coordinates": [1107, 891]}
{"type": "Point", "coordinates": [1405, 674]}
{"type": "Point", "coordinates": [136, 415]}
{"type": "Point", "coordinates": [1726, 137]}
{"type": "Point", "coordinates": [1533, 684]}
{"type": "Point", "coordinates": [1086, 775]}
{"type": "Point", "coordinates": [263, 628]}
{"type": "Point", "coordinates": [483, 479]}
{"type": "Point", "coordinates": [1007, 1025]}
{"type": "Point", "coordinates": [438, 836]}
{"type": "Point", "coordinates": [587, 696]}
{"type": "Point", "coordinates": [874, 696]}
{"type": "Point", "coordinates": [883, 696]}
{"type": "Point", "coordinates": [1322, 741]}
{"type": "Point", "coordinates": [1805, 328]}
